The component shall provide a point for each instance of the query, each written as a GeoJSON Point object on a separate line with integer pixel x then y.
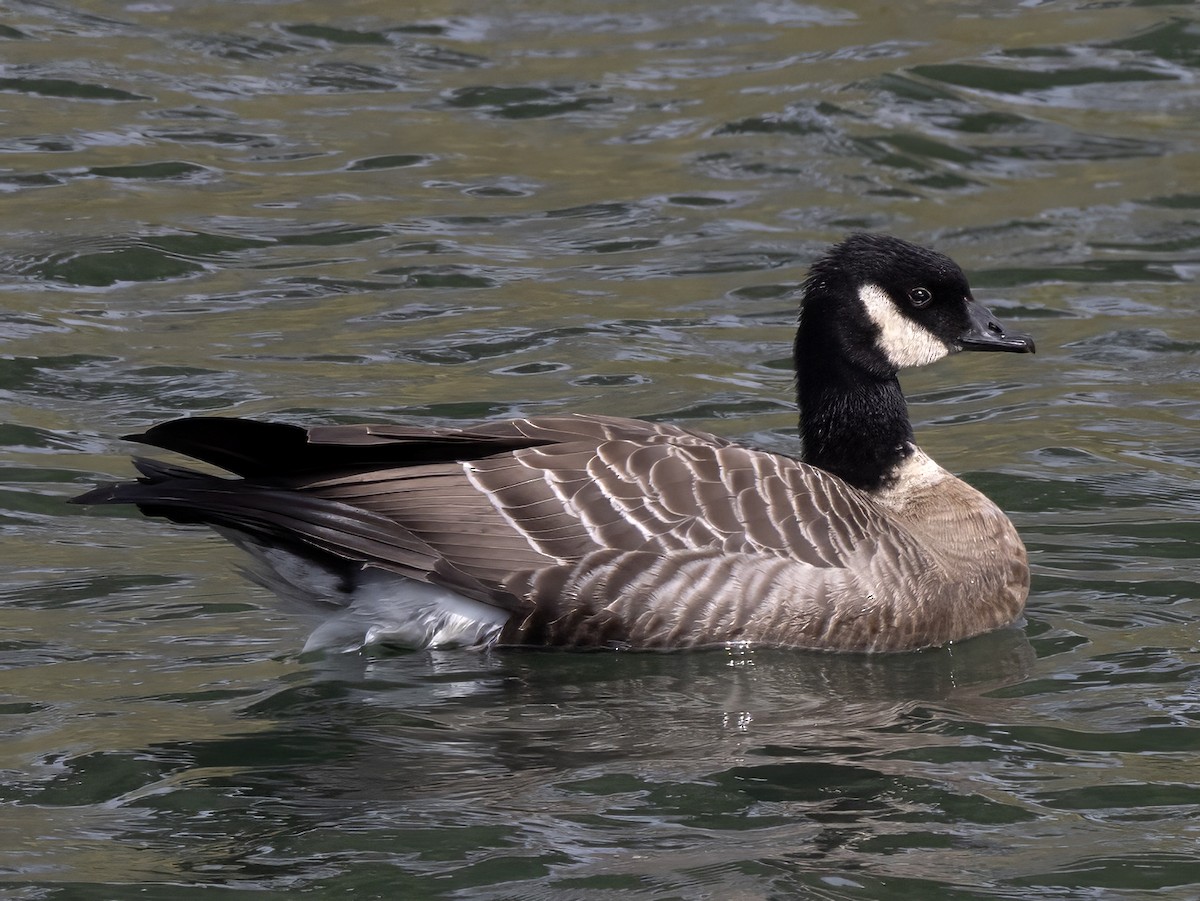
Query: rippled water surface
{"type": "Point", "coordinates": [450, 211]}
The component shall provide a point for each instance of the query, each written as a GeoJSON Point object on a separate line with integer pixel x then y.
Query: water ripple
{"type": "Point", "coordinates": [333, 215]}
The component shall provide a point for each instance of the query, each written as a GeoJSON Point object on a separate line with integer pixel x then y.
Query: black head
{"type": "Point", "coordinates": [874, 305]}
{"type": "Point", "coordinates": [889, 304]}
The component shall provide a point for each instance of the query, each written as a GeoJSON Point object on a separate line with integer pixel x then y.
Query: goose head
{"type": "Point", "coordinates": [883, 304]}
{"type": "Point", "coordinates": [874, 305]}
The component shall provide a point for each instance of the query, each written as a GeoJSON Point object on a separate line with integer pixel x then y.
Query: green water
{"type": "Point", "coordinates": [443, 212]}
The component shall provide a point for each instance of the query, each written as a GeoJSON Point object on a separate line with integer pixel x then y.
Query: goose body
{"type": "Point", "coordinates": [597, 531]}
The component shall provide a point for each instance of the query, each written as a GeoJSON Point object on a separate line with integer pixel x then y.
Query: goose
{"type": "Point", "coordinates": [592, 531]}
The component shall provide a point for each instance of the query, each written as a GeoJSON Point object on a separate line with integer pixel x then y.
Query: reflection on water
{"type": "Point", "coordinates": [451, 215]}
{"type": "Point", "coordinates": [476, 756]}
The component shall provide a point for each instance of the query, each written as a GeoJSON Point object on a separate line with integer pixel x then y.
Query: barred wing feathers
{"type": "Point", "coordinates": [639, 532]}
{"type": "Point", "coordinates": [589, 529]}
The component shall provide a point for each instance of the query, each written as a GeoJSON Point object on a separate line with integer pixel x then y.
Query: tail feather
{"type": "Point", "coordinates": [254, 449]}
{"type": "Point", "coordinates": [275, 515]}
{"type": "Point", "coordinates": [290, 520]}
{"type": "Point", "coordinates": [247, 447]}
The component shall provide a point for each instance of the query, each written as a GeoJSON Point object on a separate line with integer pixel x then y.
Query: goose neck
{"type": "Point", "coordinates": [853, 424]}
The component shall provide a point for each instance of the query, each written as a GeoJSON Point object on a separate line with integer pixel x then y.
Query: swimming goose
{"type": "Point", "coordinates": [598, 531]}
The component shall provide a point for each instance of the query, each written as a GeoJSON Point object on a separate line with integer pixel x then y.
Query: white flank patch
{"type": "Point", "coordinates": [387, 608]}
{"type": "Point", "coordinates": [382, 608]}
{"type": "Point", "coordinates": [905, 343]}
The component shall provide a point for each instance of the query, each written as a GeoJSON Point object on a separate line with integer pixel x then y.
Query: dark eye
{"type": "Point", "coordinates": [920, 296]}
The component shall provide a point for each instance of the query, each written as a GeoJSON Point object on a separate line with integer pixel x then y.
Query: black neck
{"type": "Point", "coordinates": [853, 421]}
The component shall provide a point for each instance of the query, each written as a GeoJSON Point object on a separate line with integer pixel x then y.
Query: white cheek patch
{"type": "Point", "coordinates": [905, 343]}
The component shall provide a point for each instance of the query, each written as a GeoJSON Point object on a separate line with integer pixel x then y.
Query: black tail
{"type": "Point", "coordinates": [277, 515]}
{"type": "Point", "coordinates": [282, 517]}
{"type": "Point", "coordinates": [255, 450]}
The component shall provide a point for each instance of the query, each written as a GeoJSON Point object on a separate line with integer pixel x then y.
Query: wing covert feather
{"type": "Point", "coordinates": [603, 486]}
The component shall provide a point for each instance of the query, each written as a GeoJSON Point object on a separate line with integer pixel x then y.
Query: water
{"type": "Point", "coordinates": [446, 212]}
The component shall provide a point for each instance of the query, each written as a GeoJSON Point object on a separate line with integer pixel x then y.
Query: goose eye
{"type": "Point", "coordinates": [920, 296]}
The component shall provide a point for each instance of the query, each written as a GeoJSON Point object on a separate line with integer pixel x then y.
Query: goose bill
{"type": "Point", "coordinates": [986, 333]}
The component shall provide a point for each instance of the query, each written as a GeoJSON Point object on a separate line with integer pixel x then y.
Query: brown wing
{"type": "Point", "coordinates": [594, 483]}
